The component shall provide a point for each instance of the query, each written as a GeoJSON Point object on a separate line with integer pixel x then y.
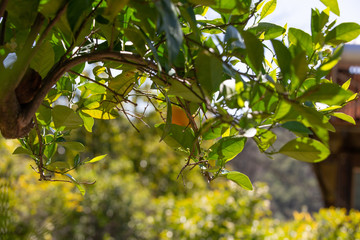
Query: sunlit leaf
{"type": "Point", "coordinates": [226, 149]}
{"type": "Point", "coordinates": [305, 149]}
{"type": "Point", "coordinates": [344, 117]}
{"type": "Point", "coordinates": [268, 8]}
{"type": "Point", "coordinates": [333, 5]}
{"type": "Point", "coordinates": [343, 33]}
{"type": "Point", "coordinates": [241, 179]}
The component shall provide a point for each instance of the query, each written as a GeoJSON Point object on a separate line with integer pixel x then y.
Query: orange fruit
{"type": "Point", "coordinates": [179, 116]}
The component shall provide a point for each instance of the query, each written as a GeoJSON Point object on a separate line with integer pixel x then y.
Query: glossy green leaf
{"type": "Point", "coordinates": [64, 116]}
{"type": "Point", "coordinates": [269, 30]}
{"type": "Point", "coordinates": [226, 149]}
{"type": "Point", "coordinates": [306, 150]}
{"type": "Point", "coordinates": [241, 179]}
{"type": "Point", "coordinates": [268, 8]}
{"type": "Point", "coordinates": [333, 5]}
{"type": "Point", "coordinates": [209, 71]}
{"type": "Point", "coordinates": [343, 33]}
{"type": "Point", "coordinates": [344, 117]}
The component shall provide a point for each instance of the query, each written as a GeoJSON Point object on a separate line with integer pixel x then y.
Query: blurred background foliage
{"type": "Point", "coordinates": [137, 196]}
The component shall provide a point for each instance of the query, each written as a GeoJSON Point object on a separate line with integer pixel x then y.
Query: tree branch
{"type": "Point", "coordinates": [3, 6]}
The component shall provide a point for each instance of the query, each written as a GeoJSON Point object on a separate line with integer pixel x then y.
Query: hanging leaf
{"type": "Point", "coordinates": [226, 149]}
{"type": "Point", "coordinates": [306, 150]}
{"type": "Point", "coordinates": [254, 49]}
{"type": "Point", "coordinates": [241, 179]}
{"type": "Point", "coordinates": [344, 117]}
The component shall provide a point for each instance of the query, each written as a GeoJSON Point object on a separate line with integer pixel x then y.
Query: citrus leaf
{"type": "Point", "coordinates": [344, 117]}
{"type": "Point", "coordinates": [64, 116]}
{"type": "Point", "coordinates": [306, 150]}
{"type": "Point", "coordinates": [241, 179]}
{"type": "Point", "coordinates": [268, 8]}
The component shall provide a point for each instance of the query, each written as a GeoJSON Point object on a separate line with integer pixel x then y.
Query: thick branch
{"type": "Point", "coordinates": [3, 5]}
{"type": "Point", "coordinates": [62, 67]}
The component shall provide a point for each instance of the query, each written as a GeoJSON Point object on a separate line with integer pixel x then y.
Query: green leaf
{"type": "Point", "coordinates": [191, 93]}
{"type": "Point", "coordinates": [328, 93]}
{"type": "Point", "coordinates": [295, 126]}
{"type": "Point", "coordinates": [268, 8]}
{"type": "Point", "coordinates": [301, 38]}
{"type": "Point", "coordinates": [300, 70]}
{"type": "Point", "coordinates": [344, 117]}
{"type": "Point", "coordinates": [283, 57]}
{"type": "Point", "coordinates": [215, 132]}
{"type": "Point", "coordinates": [77, 184]}
{"type": "Point", "coordinates": [114, 7]}
{"type": "Point", "coordinates": [168, 117]}
{"type": "Point", "coordinates": [241, 179]}
{"type": "Point", "coordinates": [96, 159]}
{"type": "Point", "coordinates": [44, 59]}
{"type": "Point", "coordinates": [88, 121]}
{"type": "Point", "coordinates": [170, 24]}
{"type": "Point", "coordinates": [270, 30]}
{"type": "Point", "coordinates": [43, 114]}
{"type": "Point", "coordinates": [344, 32]}
{"type": "Point", "coordinates": [226, 149]}
{"type": "Point", "coordinates": [209, 71]}
{"type": "Point", "coordinates": [306, 150]}
{"type": "Point", "coordinates": [64, 116]}
{"type": "Point", "coordinates": [21, 150]}
{"type": "Point", "coordinates": [178, 136]}
{"type": "Point", "coordinates": [254, 49]}
{"type": "Point", "coordinates": [74, 146]}
{"type": "Point", "coordinates": [75, 10]}
{"type": "Point", "coordinates": [99, 114]}
{"type": "Point", "coordinates": [333, 5]}
{"type": "Point", "coordinates": [233, 7]}
{"type": "Point", "coordinates": [346, 84]}
{"type": "Point", "coordinates": [122, 84]}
